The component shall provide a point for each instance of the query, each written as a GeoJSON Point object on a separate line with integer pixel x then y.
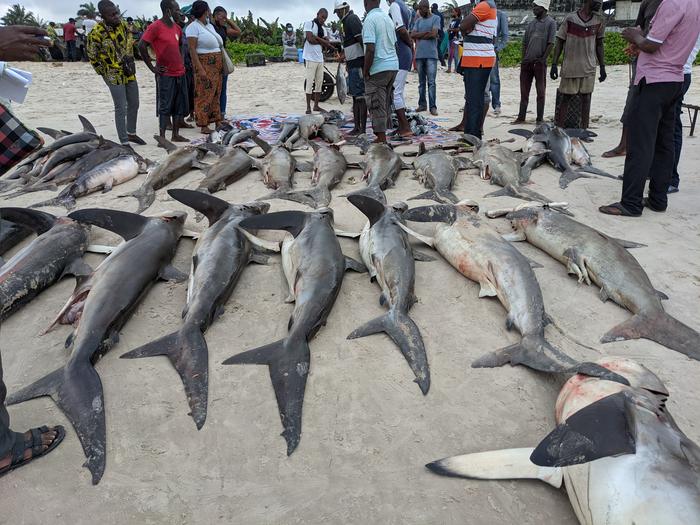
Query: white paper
{"type": "Point", "coordinates": [14, 84]}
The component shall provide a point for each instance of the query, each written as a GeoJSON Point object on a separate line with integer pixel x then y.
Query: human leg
{"type": "Point", "coordinates": [404, 128]}
{"type": "Point", "coordinates": [540, 73]}
{"type": "Point", "coordinates": [431, 74]}
{"type": "Point", "coordinates": [678, 135]}
{"type": "Point", "coordinates": [527, 73]}
{"type": "Point", "coordinates": [421, 65]}
{"type": "Point", "coordinates": [118, 92]}
{"type": "Point", "coordinates": [318, 87]}
{"type": "Point", "coordinates": [378, 89]}
{"type": "Point", "coordinates": [475, 80]}
{"type": "Point", "coordinates": [495, 88]}
{"type": "Point", "coordinates": [223, 99]}
{"type": "Point", "coordinates": [451, 57]}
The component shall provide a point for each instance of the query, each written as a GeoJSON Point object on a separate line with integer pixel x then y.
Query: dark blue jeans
{"type": "Point", "coordinates": [678, 133]}
{"type": "Point", "coordinates": [427, 71]}
{"type": "Point", "coordinates": [223, 100]}
{"type": "Point", "coordinates": [475, 80]}
{"type": "Point", "coordinates": [495, 86]}
{"type": "Point", "coordinates": [71, 51]}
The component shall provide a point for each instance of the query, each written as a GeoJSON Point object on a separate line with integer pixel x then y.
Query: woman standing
{"type": "Point", "coordinates": [227, 30]}
{"type": "Point", "coordinates": [205, 52]}
{"type": "Point", "coordinates": [453, 32]}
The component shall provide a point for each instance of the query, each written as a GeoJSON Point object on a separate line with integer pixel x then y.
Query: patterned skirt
{"type": "Point", "coordinates": [207, 90]}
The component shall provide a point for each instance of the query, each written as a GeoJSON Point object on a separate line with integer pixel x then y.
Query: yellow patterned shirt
{"type": "Point", "coordinates": [106, 49]}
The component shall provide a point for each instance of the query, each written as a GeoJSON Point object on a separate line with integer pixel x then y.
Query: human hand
{"type": "Point", "coordinates": [21, 42]}
{"type": "Point", "coordinates": [603, 74]}
{"type": "Point", "coordinates": [554, 72]}
{"type": "Point", "coordinates": [632, 34]}
{"type": "Point", "coordinates": [201, 72]}
{"type": "Point", "coordinates": [631, 50]}
{"type": "Point", "coordinates": [161, 70]}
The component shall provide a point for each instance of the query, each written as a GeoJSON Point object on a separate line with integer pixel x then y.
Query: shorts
{"type": "Point", "coordinates": [399, 86]}
{"type": "Point", "coordinates": [314, 77]}
{"type": "Point", "coordinates": [379, 92]}
{"type": "Point", "coordinates": [173, 96]}
{"type": "Point", "coordinates": [356, 82]}
{"type": "Point", "coordinates": [576, 86]}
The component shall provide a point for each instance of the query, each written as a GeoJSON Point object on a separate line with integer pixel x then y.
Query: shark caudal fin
{"type": "Point", "coordinates": [288, 362]}
{"type": "Point", "coordinates": [512, 463]}
{"type": "Point", "coordinates": [538, 354]}
{"type": "Point", "coordinates": [316, 197]}
{"type": "Point", "coordinates": [189, 354]}
{"type": "Point", "coordinates": [570, 175]}
{"type": "Point", "coordinates": [145, 195]}
{"type": "Point", "coordinates": [444, 196]}
{"type": "Point", "coordinates": [406, 335]}
{"type": "Point", "coordinates": [661, 328]}
{"type": "Point", "coordinates": [77, 390]}
{"type": "Point", "coordinates": [599, 172]}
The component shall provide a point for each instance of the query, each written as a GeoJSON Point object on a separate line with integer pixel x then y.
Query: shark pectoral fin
{"type": "Point", "coordinates": [355, 266]}
{"type": "Point", "coordinates": [599, 430]}
{"type": "Point", "coordinates": [349, 235]}
{"type": "Point", "coordinates": [422, 257]}
{"type": "Point", "coordinates": [212, 207]}
{"type": "Point", "coordinates": [128, 225]}
{"type": "Point", "coordinates": [517, 236]}
{"type": "Point", "coordinates": [107, 187]}
{"type": "Point", "coordinates": [78, 268]}
{"type": "Point", "coordinates": [37, 221]}
{"type": "Point", "coordinates": [261, 245]}
{"type": "Point", "coordinates": [661, 295]}
{"type": "Point", "coordinates": [436, 213]}
{"type": "Point", "coordinates": [498, 464]}
{"type": "Point", "coordinates": [576, 265]}
{"type": "Point", "coordinates": [191, 234]}
{"type": "Point", "coordinates": [629, 244]}
{"type": "Point", "coordinates": [291, 221]}
{"type": "Point", "coordinates": [429, 241]}
{"type": "Point", "coordinates": [533, 263]}
{"type": "Point", "coordinates": [570, 175]}
{"type": "Point", "coordinates": [196, 164]}
{"type": "Point", "coordinates": [503, 192]}
{"type": "Point", "coordinates": [170, 273]}
{"type": "Point", "coordinates": [521, 132]}
{"type": "Point", "coordinates": [487, 289]}
{"type": "Point", "coordinates": [187, 351]}
{"type": "Point", "coordinates": [100, 249]}
{"type": "Point", "coordinates": [288, 363]}
{"type": "Point", "coordinates": [305, 167]}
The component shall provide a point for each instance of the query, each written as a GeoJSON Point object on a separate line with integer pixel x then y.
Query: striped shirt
{"type": "Point", "coordinates": [478, 48]}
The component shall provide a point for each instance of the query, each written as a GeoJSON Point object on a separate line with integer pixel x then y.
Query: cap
{"type": "Point", "coordinates": [542, 3]}
{"type": "Point", "coordinates": [341, 5]}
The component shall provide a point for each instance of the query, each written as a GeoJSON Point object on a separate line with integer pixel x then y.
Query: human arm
{"type": "Point", "coordinates": [196, 64]}
{"type": "Point", "coordinates": [369, 59]}
{"type": "Point", "coordinates": [503, 34]}
{"type": "Point", "coordinates": [558, 46]}
{"type": "Point", "coordinates": [468, 23]}
{"type": "Point", "coordinates": [143, 46]}
{"type": "Point", "coordinates": [634, 36]}
{"type": "Point", "coordinates": [404, 36]}
{"type": "Point", "coordinates": [21, 42]}
{"type": "Point", "coordinates": [232, 30]}
{"type": "Point", "coordinates": [600, 54]}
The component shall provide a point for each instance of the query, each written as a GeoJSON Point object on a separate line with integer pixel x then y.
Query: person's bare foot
{"type": "Point", "coordinates": [619, 151]}
{"type": "Point", "coordinates": [320, 109]}
{"type": "Point", "coordinates": [518, 121]}
{"type": "Point", "coordinates": [206, 130]}
{"type": "Point", "coordinates": [308, 112]}
{"type": "Point", "coordinates": [178, 138]}
{"type": "Point", "coordinates": [47, 440]}
{"type": "Point", "coordinates": [185, 125]}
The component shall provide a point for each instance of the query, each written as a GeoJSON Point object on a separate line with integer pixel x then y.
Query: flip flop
{"type": "Point", "coordinates": [618, 210]}
{"type": "Point", "coordinates": [22, 443]}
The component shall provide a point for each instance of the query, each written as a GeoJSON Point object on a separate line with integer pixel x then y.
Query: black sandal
{"type": "Point", "coordinates": [618, 210]}
{"type": "Point", "coordinates": [22, 443]}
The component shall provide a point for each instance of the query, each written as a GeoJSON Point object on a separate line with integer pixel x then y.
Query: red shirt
{"type": "Point", "coordinates": [68, 32]}
{"type": "Point", "coordinates": [166, 43]}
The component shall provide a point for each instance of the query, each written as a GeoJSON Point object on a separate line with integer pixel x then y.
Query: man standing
{"type": "Point", "coordinates": [400, 14]}
{"type": "Point", "coordinates": [537, 44]}
{"type": "Point", "coordinates": [16, 449]}
{"type": "Point", "coordinates": [647, 10]}
{"type": "Point", "coordinates": [69, 38]}
{"type": "Point", "coordinates": [678, 129]}
{"type": "Point", "coordinates": [355, 61]}
{"type": "Point", "coordinates": [441, 32]}
{"type": "Point", "coordinates": [658, 87]}
{"type": "Point", "coordinates": [425, 33]}
{"type": "Point", "coordinates": [315, 42]}
{"type": "Point", "coordinates": [479, 32]}
{"type": "Point", "coordinates": [502, 37]}
{"type": "Point", "coordinates": [580, 36]}
{"type": "Point", "coordinates": [111, 52]}
{"type": "Point", "coordinates": [165, 37]}
{"type": "Point", "coordinates": [381, 65]}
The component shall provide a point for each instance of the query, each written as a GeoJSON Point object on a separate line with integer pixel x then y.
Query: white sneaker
{"type": "Point", "coordinates": [497, 111]}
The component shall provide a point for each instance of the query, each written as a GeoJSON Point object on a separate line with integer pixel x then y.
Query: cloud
{"type": "Point", "coordinates": [294, 11]}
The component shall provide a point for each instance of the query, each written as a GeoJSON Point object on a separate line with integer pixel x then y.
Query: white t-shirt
{"type": "Point", "coordinates": [688, 68]}
{"type": "Point", "coordinates": [208, 40]}
{"type": "Point", "coordinates": [312, 52]}
{"type": "Point", "coordinates": [89, 25]}
{"type": "Point", "coordinates": [395, 14]}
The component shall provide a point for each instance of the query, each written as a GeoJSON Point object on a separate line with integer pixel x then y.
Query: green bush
{"type": "Point", "coordinates": [238, 51]}
{"type": "Point", "coordinates": [614, 51]}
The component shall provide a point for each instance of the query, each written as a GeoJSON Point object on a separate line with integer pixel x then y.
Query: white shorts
{"type": "Point", "coordinates": [399, 85]}
{"type": "Point", "coordinates": [314, 77]}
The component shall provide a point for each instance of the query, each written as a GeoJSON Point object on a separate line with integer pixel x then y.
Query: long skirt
{"type": "Point", "coordinates": [207, 90]}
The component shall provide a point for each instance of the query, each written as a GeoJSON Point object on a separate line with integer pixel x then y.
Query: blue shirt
{"type": "Point", "coordinates": [426, 48]}
{"type": "Point", "coordinates": [379, 30]}
{"type": "Point", "coordinates": [502, 37]}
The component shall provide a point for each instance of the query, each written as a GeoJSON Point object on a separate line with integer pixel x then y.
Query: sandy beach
{"type": "Point", "coordinates": [367, 430]}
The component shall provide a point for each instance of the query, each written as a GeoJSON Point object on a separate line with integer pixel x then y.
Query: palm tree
{"type": "Point", "coordinates": [18, 16]}
{"type": "Point", "coordinates": [87, 10]}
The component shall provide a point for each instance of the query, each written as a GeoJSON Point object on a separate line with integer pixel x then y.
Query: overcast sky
{"type": "Point", "coordinates": [294, 11]}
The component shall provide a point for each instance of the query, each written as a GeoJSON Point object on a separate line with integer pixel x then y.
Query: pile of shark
{"type": "Point", "coordinates": [616, 448]}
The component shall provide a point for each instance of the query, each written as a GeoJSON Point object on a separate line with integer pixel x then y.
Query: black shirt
{"type": "Point", "coordinates": [354, 51]}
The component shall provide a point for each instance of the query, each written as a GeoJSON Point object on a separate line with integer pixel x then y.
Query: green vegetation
{"type": "Point", "coordinates": [17, 15]}
{"type": "Point", "coordinates": [238, 51]}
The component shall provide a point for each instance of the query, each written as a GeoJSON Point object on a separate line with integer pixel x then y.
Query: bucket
{"type": "Point", "coordinates": [300, 52]}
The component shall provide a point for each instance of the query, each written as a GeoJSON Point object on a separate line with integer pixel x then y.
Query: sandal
{"type": "Point", "coordinates": [22, 444]}
{"type": "Point", "coordinates": [617, 209]}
